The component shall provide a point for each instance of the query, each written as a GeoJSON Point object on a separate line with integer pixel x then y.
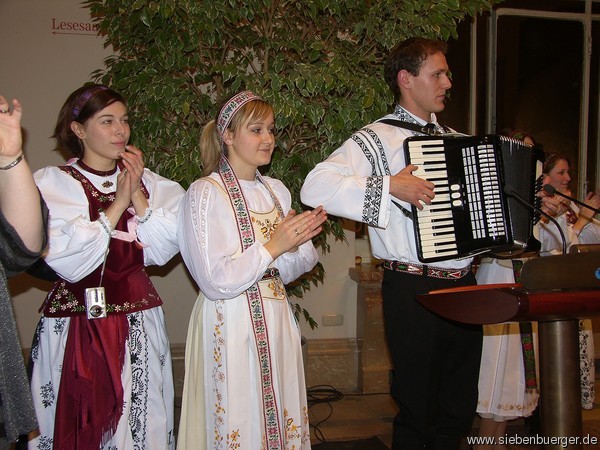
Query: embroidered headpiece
{"type": "Point", "coordinates": [83, 98]}
{"type": "Point", "coordinates": [231, 107]}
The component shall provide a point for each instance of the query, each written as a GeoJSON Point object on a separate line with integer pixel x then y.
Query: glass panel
{"type": "Point", "coordinates": [539, 81]}
{"type": "Point", "coordinates": [593, 139]}
{"type": "Point", "coordinates": [539, 78]}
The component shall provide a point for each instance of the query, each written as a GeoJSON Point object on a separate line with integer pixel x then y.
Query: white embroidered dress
{"type": "Point", "coordinates": [503, 394]}
{"type": "Point", "coordinates": [225, 399]}
{"type": "Point", "coordinates": [76, 247]}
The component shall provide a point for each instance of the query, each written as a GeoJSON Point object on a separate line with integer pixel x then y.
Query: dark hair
{"type": "Point", "coordinates": [551, 159]}
{"type": "Point", "coordinates": [80, 106]}
{"type": "Point", "coordinates": [409, 55]}
{"type": "Point", "coordinates": [515, 133]}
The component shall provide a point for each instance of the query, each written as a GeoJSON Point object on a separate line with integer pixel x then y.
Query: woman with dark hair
{"type": "Point", "coordinates": [579, 226]}
{"type": "Point", "coordinates": [241, 241]}
{"type": "Point", "coordinates": [101, 364]}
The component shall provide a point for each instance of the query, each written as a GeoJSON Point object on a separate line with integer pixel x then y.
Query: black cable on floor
{"type": "Point", "coordinates": [323, 393]}
{"type": "Point", "coordinates": [365, 394]}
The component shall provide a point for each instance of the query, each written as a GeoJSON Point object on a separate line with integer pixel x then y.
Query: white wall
{"type": "Point", "coordinates": [337, 295]}
{"type": "Point", "coordinates": [41, 64]}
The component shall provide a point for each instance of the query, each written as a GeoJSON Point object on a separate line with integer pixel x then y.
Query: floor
{"type": "Point", "coordinates": [350, 416]}
{"type": "Point", "coordinates": [353, 417]}
{"type": "Point", "coordinates": [342, 417]}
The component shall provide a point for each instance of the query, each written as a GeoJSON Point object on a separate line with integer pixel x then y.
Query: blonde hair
{"type": "Point", "coordinates": [211, 146]}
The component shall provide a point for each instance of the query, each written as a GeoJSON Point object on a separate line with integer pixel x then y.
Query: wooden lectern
{"type": "Point", "coordinates": [556, 291]}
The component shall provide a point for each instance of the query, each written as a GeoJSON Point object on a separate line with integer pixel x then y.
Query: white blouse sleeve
{"type": "Point", "coordinates": [158, 227]}
{"type": "Point", "coordinates": [590, 233]}
{"type": "Point", "coordinates": [76, 245]}
{"type": "Point", "coordinates": [551, 240]}
{"type": "Point", "coordinates": [291, 265]}
{"type": "Point", "coordinates": [210, 244]}
{"type": "Point", "coordinates": [345, 185]}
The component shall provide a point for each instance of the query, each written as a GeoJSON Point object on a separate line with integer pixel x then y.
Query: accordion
{"type": "Point", "coordinates": [484, 186]}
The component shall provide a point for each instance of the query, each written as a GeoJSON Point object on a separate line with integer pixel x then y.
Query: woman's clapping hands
{"type": "Point", "coordinates": [295, 230]}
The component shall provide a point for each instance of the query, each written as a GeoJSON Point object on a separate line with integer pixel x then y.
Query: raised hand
{"type": "Point", "coordinates": [19, 196]}
{"type": "Point", "coordinates": [592, 199]}
{"type": "Point", "coordinates": [294, 230]}
{"type": "Point", "coordinates": [129, 181]}
{"type": "Point", "coordinates": [132, 159]}
{"type": "Point", "coordinates": [11, 141]}
{"type": "Point", "coordinates": [554, 205]}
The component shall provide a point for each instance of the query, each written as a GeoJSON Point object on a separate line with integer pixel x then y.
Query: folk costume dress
{"type": "Point", "coordinates": [104, 383]}
{"type": "Point", "coordinates": [244, 386]}
{"type": "Point", "coordinates": [508, 377]}
{"type": "Point", "coordinates": [552, 245]}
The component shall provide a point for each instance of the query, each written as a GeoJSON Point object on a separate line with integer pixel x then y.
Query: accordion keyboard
{"type": "Point", "coordinates": [470, 212]}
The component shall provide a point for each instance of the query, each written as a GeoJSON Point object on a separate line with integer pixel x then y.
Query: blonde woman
{"type": "Point", "coordinates": [244, 385]}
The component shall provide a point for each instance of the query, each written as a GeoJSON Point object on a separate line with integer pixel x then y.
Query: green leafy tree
{"type": "Point", "coordinates": [318, 62]}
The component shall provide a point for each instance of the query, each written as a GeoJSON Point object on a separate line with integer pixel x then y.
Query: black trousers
{"type": "Point", "coordinates": [436, 364]}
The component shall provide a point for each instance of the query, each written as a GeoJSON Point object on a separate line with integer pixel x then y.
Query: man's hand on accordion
{"type": "Point", "coordinates": [405, 186]}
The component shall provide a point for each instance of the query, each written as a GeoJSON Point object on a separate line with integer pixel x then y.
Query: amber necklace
{"type": "Point", "coordinates": [101, 173]}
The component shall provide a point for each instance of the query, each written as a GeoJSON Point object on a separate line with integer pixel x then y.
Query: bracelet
{"type": "Point", "coordinates": [16, 161]}
{"type": "Point", "coordinates": [145, 217]}
{"type": "Point", "coordinates": [105, 222]}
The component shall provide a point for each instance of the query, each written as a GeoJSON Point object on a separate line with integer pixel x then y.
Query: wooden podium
{"type": "Point", "coordinates": [556, 291]}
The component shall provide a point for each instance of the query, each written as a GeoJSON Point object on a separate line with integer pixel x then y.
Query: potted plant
{"type": "Point", "coordinates": [317, 61]}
